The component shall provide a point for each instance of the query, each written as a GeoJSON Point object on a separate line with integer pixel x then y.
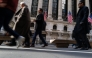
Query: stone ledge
{"type": "Point", "coordinates": [60, 21]}
{"type": "Point", "coordinates": [61, 43]}
{"type": "Point", "coordinates": [5, 38]}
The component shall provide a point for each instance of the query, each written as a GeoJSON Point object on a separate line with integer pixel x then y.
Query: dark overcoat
{"type": "Point", "coordinates": [39, 22]}
{"type": "Point", "coordinates": [82, 21]}
{"type": "Point", "coordinates": [23, 25]}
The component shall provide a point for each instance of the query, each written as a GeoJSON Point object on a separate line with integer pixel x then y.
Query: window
{"type": "Point", "coordinates": [45, 5]}
{"type": "Point", "coordinates": [55, 9]}
{"type": "Point", "coordinates": [54, 27]}
{"type": "Point", "coordinates": [34, 8]}
{"type": "Point", "coordinates": [90, 2]}
{"type": "Point", "coordinates": [74, 9]}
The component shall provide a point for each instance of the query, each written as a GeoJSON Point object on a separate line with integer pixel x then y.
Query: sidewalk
{"type": "Point", "coordinates": [38, 52]}
{"type": "Point", "coordinates": [50, 48]}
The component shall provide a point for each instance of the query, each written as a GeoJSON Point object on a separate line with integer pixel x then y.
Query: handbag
{"type": "Point", "coordinates": [18, 17]}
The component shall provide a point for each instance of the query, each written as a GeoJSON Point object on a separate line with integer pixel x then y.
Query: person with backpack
{"type": "Point", "coordinates": [39, 27]}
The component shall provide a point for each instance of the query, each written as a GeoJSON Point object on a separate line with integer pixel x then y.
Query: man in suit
{"type": "Point", "coordinates": [81, 28]}
{"type": "Point", "coordinates": [7, 10]}
{"type": "Point", "coordinates": [38, 29]}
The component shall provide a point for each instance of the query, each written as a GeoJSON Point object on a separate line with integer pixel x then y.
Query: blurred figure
{"type": "Point", "coordinates": [7, 10]}
{"type": "Point", "coordinates": [22, 24]}
{"type": "Point", "coordinates": [81, 28]}
{"type": "Point", "coordinates": [38, 29]}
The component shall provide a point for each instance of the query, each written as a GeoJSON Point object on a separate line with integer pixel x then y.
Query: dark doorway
{"type": "Point", "coordinates": [54, 27]}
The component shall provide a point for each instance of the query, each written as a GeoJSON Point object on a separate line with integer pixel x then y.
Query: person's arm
{"type": "Point", "coordinates": [86, 13]}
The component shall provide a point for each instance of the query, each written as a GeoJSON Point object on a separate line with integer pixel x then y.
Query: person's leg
{"type": "Point", "coordinates": [8, 16]}
{"type": "Point", "coordinates": [78, 40]}
{"type": "Point", "coordinates": [12, 42]}
{"type": "Point", "coordinates": [41, 37]}
{"type": "Point", "coordinates": [1, 22]}
{"type": "Point", "coordinates": [85, 40]}
{"type": "Point", "coordinates": [27, 40]}
{"type": "Point", "coordinates": [34, 37]}
{"type": "Point", "coordinates": [30, 33]}
{"type": "Point", "coordinates": [2, 17]}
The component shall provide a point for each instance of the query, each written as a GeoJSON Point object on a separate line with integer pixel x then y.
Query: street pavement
{"type": "Point", "coordinates": [48, 52]}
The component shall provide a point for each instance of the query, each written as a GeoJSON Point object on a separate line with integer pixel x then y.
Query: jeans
{"type": "Point", "coordinates": [38, 32]}
{"type": "Point", "coordinates": [5, 18]}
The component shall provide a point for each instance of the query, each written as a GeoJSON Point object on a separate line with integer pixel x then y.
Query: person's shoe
{"type": "Point", "coordinates": [20, 41]}
{"type": "Point", "coordinates": [45, 45]}
{"type": "Point", "coordinates": [32, 46]}
{"type": "Point", "coordinates": [84, 48]}
{"type": "Point", "coordinates": [89, 47]}
{"type": "Point", "coordinates": [11, 44]}
{"type": "Point", "coordinates": [26, 46]}
{"type": "Point", "coordinates": [77, 47]}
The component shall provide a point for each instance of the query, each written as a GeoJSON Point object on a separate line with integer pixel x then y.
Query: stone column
{"type": "Point", "coordinates": [69, 6]}
{"type": "Point", "coordinates": [50, 10]}
{"type": "Point", "coordinates": [87, 4]}
{"type": "Point", "coordinates": [77, 5]}
{"type": "Point", "coordinates": [60, 10]}
{"type": "Point", "coordinates": [40, 2]}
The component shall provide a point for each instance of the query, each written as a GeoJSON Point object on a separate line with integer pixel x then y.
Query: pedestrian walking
{"type": "Point", "coordinates": [22, 25]}
{"type": "Point", "coordinates": [81, 28]}
{"type": "Point", "coordinates": [7, 10]}
{"type": "Point", "coordinates": [38, 29]}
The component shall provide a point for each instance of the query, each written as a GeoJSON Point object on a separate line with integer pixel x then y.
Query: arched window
{"type": "Point", "coordinates": [34, 8]}
{"type": "Point", "coordinates": [65, 28]}
{"type": "Point", "coordinates": [54, 27]}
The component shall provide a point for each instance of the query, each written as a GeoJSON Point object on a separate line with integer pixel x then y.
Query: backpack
{"type": "Point", "coordinates": [44, 25]}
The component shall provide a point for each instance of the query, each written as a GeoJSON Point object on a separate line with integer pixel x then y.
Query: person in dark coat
{"type": "Point", "coordinates": [23, 25]}
{"type": "Point", "coordinates": [81, 28]}
{"type": "Point", "coordinates": [38, 29]}
{"type": "Point", "coordinates": [7, 10]}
